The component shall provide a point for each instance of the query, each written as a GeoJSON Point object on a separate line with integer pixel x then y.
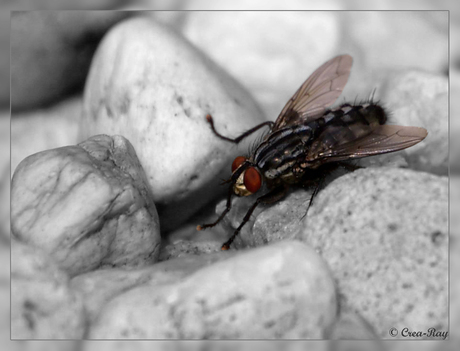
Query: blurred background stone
{"type": "Point", "coordinates": [4, 60]}
{"type": "Point", "coordinates": [417, 98]}
{"type": "Point", "coordinates": [44, 129]}
{"type": "Point", "coordinates": [55, 49]}
{"type": "Point", "coordinates": [273, 58]}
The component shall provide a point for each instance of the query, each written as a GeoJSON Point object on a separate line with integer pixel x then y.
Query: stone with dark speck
{"type": "Point", "coordinates": [384, 234]}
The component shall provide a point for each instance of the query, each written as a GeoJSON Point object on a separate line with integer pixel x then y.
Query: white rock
{"type": "Point", "coordinates": [271, 53]}
{"type": "Point", "coordinates": [42, 304]}
{"type": "Point", "coordinates": [43, 129]}
{"type": "Point", "coordinates": [278, 291]}
{"type": "Point", "coordinates": [151, 86]}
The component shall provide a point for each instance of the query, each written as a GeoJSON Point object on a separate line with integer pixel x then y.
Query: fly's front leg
{"type": "Point", "coordinates": [223, 214]}
{"type": "Point", "coordinates": [242, 136]}
{"type": "Point", "coordinates": [274, 195]}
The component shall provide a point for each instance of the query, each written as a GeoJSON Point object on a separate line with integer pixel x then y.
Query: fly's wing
{"type": "Point", "coordinates": [317, 93]}
{"type": "Point", "coordinates": [342, 143]}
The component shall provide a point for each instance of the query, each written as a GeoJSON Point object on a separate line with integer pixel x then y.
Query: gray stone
{"type": "Point", "coordinates": [43, 129]}
{"type": "Point", "coordinates": [51, 53]}
{"type": "Point", "coordinates": [282, 290]}
{"type": "Point", "coordinates": [362, 33]}
{"type": "Point", "coordinates": [156, 90]}
{"type": "Point", "coordinates": [417, 98]}
{"type": "Point", "coordinates": [183, 248]}
{"type": "Point", "coordinates": [384, 234]}
{"type": "Point", "coordinates": [273, 58]}
{"type": "Point", "coordinates": [88, 206]}
{"type": "Point", "coordinates": [100, 286]}
{"type": "Point", "coordinates": [42, 304]}
{"type": "Point", "coordinates": [279, 221]}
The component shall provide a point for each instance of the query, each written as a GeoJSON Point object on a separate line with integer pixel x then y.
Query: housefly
{"type": "Point", "coordinates": [307, 136]}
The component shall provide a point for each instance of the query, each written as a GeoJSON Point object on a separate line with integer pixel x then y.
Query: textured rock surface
{"type": "Point", "coordinates": [279, 221]}
{"type": "Point", "coordinates": [156, 89]}
{"type": "Point", "coordinates": [404, 91]}
{"type": "Point", "coordinates": [55, 49]}
{"type": "Point", "coordinates": [87, 205]}
{"type": "Point", "coordinates": [101, 286]}
{"type": "Point", "coordinates": [184, 248]}
{"type": "Point", "coordinates": [42, 305]}
{"type": "Point", "coordinates": [278, 291]}
{"type": "Point", "coordinates": [384, 235]}
{"type": "Point", "coordinates": [270, 60]}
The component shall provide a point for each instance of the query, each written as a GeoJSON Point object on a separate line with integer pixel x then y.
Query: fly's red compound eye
{"type": "Point", "coordinates": [252, 180]}
{"type": "Point", "coordinates": [237, 162]}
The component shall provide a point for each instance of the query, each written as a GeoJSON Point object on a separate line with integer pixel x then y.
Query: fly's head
{"type": "Point", "coordinates": [246, 178]}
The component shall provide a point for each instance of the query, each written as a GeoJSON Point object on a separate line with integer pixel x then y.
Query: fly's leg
{"type": "Point", "coordinates": [242, 136]}
{"type": "Point", "coordinates": [273, 196]}
{"type": "Point", "coordinates": [318, 185]}
{"type": "Point", "coordinates": [223, 214]}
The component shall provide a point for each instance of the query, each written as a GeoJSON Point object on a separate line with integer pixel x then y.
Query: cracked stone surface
{"type": "Point", "coordinates": [88, 205]}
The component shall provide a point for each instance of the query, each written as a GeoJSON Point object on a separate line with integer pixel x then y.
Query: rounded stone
{"type": "Point", "coordinates": [282, 290]}
{"type": "Point", "coordinates": [384, 234]}
{"type": "Point", "coordinates": [267, 51]}
{"type": "Point", "coordinates": [156, 90]}
{"type": "Point", "coordinates": [417, 98]}
{"type": "Point", "coordinates": [42, 304]}
{"type": "Point", "coordinates": [87, 205]}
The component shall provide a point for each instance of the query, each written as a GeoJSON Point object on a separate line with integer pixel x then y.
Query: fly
{"type": "Point", "coordinates": [307, 137]}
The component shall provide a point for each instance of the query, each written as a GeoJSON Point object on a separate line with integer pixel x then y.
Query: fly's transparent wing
{"type": "Point", "coordinates": [317, 93]}
{"type": "Point", "coordinates": [338, 143]}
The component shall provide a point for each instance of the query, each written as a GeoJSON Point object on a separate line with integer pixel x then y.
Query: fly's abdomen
{"type": "Point", "coordinates": [348, 115]}
{"type": "Point", "coordinates": [346, 124]}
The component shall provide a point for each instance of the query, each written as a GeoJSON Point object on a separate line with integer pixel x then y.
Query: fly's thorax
{"type": "Point", "coordinates": [278, 155]}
